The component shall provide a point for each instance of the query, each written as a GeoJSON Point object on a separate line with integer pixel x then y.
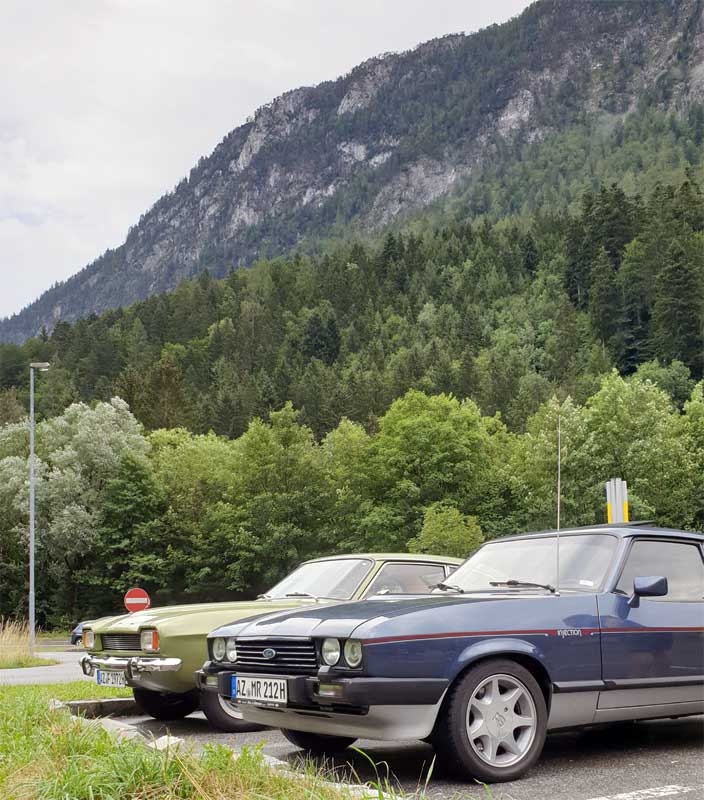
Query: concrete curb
{"type": "Point", "coordinates": [95, 712]}
{"type": "Point", "coordinates": [114, 707]}
{"type": "Point", "coordinates": [354, 789]}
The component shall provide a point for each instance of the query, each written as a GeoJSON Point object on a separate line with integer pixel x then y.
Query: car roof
{"type": "Point", "coordinates": [620, 529]}
{"type": "Point", "coordinates": [391, 557]}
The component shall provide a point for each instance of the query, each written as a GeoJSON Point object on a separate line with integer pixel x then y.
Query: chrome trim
{"type": "Point", "coordinates": [129, 666]}
{"type": "Point", "coordinates": [121, 641]}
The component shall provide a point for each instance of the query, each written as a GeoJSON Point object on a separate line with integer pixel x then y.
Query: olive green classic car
{"type": "Point", "coordinates": [158, 651]}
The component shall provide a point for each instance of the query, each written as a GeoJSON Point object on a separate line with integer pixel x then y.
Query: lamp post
{"type": "Point", "coordinates": [42, 366]}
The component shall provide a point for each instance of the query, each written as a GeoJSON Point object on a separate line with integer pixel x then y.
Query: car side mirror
{"type": "Point", "coordinates": [651, 586]}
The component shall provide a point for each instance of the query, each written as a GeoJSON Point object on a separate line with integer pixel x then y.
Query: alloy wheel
{"type": "Point", "coordinates": [501, 720]}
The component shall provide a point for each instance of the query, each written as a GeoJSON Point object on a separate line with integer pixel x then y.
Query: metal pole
{"type": "Point", "coordinates": [559, 469]}
{"type": "Point", "coordinates": [31, 510]}
{"type": "Point", "coordinates": [559, 493]}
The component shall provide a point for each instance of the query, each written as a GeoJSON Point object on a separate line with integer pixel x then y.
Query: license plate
{"type": "Point", "coordinates": [260, 690]}
{"type": "Point", "coordinates": [105, 677]}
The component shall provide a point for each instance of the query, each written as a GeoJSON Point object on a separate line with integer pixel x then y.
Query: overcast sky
{"type": "Point", "coordinates": [107, 104]}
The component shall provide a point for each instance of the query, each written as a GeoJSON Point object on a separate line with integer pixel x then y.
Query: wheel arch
{"type": "Point", "coordinates": [520, 651]}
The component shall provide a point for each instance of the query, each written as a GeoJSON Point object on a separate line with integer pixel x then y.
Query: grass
{"type": "Point", "coordinates": [25, 661]}
{"type": "Point", "coordinates": [78, 690]}
{"type": "Point", "coordinates": [14, 647]}
{"type": "Point", "coordinates": [46, 754]}
{"type": "Point", "coordinates": [57, 633]}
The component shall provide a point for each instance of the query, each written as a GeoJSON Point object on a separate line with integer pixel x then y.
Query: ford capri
{"type": "Point", "coordinates": [502, 653]}
{"type": "Point", "coordinates": [157, 651]}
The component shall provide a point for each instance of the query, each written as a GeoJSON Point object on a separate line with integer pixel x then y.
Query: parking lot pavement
{"type": "Point", "coordinates": [624, 762]}
{"type": "Point", "coordinates": [66, 671]}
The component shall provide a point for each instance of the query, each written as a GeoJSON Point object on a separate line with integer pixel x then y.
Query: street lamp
{"type": "Point", "coordinates": [42, 366]}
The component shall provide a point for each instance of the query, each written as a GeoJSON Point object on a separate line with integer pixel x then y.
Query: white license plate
{"type": "Point", "coordinates": [261, 690]}
{"type": "Point", "coordinates": [105, 677]}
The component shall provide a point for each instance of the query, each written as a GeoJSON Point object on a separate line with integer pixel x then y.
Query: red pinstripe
{"type": "Point", "coordinates": [541, 632]}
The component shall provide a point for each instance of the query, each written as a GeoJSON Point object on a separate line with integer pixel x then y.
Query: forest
{"type": "Point", "coordinates": [508, 314]}
{"type": "Point", "coordinates": [396, 395]}
{"type": "Point", "coordinates": [202, 517]}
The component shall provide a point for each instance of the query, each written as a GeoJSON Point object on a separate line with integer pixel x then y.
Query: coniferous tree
{"type": "Point", "coordinates": [678, 309]}
{"type": "Point", "coordinates": [603, 297]}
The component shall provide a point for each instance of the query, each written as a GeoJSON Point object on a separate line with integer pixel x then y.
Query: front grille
{"type": "Point", "coordinates": [120, 641]}
{"type": "Point", "coordinates": [293, 656]}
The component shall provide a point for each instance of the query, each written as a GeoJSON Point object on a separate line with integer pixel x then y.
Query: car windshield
{"type": "Point", "coordinates": [334, 578]}
{"type": "Point", "coordinates": [584, 561]}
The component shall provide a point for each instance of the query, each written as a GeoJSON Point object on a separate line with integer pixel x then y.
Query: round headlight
{"type": "Point", "coordinates": [219, 649]}
{"type": "Point", "coordinates": [231, 650]}
{"type": "Point", "coordinates": [331, 651]}
{"type": "Point", "coordinates": [353, 652]}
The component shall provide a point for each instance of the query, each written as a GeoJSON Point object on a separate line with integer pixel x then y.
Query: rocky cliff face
{"type": "Point", "coordinates": [393, 135]}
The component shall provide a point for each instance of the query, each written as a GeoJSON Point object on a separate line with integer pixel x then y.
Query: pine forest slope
{"type": "Point", "coordinates": [511, 119]}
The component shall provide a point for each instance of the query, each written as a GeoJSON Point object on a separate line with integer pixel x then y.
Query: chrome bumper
{"type": "Point", "coordinates": [131, 666]}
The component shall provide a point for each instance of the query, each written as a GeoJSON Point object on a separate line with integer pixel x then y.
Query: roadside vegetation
{"type": "Point", "coordinates": [14, 647]}
{"type": "Point", "coordinates": [401, 396]}
{"type": "Point", "coordinates": [48, 755]}
{"type": "Point", "coordinates": [202, 518]}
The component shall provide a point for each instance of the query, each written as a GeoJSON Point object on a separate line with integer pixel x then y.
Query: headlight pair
{"type": "Point", "coordinates": [331, 650]}
{"type": "Point", "coordinates": [224, 648]}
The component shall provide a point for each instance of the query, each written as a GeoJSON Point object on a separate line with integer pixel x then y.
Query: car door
{"type": "Point", "coordinates": [653, 647]}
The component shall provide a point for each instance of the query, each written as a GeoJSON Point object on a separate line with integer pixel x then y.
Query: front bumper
{"type": "Point", "coordinates": [132, 666]}
{"type": "Point", "coordinates": [332, 689]}
{"type": "Point", "coordinates": [389, 709]}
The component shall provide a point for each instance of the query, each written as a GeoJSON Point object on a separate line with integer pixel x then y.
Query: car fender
{"type": "Point", "coordinates": [497, 647]}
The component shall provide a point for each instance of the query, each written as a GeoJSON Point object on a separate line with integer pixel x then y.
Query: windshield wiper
{"type": "Point", "coordinates": [513, 582]}
{"type": "Point", "coordinates": [301, 594]}
{"type": "Point", "coordinates": [263, 597]}
{"type": "Point", "coordinates": [449, 587]}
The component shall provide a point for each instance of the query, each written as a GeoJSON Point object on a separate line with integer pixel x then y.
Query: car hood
{"type": "Point", "coordinates": [194, 617]}
{"type": "Point", "coordinates": [360, 618]}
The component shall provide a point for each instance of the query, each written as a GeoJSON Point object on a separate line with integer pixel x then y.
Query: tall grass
{"type": "Point", "coordinates": [45, 754]}
{"type": "Point", "coordinates": [14, 646]}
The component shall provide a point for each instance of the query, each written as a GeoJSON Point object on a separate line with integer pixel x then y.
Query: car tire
{"type": "Point", "coordinates": [317, 743]}
{"type": "Point", "coordinates": [223, 715]}
{"type": "Point", "coordinates": [166, 706]}
{"type": "Point", "coordinates": [493, 723]}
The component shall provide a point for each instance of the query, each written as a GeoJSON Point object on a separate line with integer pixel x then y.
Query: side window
{"type": "Point", "coordinates": [679, 562]}
{"type": "Point", "coordinates": [406, 579]}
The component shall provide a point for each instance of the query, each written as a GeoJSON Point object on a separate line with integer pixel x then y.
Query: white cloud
{"type": "Point", "coordinates": [107, 104]}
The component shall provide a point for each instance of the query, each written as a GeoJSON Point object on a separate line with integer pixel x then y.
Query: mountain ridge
{"type": "Point", "coordinates": [394, 134]}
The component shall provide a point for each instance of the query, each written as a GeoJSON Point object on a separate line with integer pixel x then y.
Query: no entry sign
{"type": "Point", "coordinates": [137, 600]}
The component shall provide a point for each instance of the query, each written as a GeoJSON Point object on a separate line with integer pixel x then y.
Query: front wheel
{"type": "Point", "coordinates": [166, 706]}
{"type": "Point", "coordinates": [224, 715]}
{"type": "Point", "coordinates": [494, 722]}
{"type": "Point", "coordinates": [317, 743]}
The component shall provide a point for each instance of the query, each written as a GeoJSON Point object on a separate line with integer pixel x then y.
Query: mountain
{"type": "Point", "coordinates": [396, 134]}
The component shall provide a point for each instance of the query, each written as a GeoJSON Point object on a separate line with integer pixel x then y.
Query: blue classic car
{"type": "Point", "coordinates": [501, 654]}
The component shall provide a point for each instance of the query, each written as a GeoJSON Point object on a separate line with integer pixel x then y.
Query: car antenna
{"type": "Point", "coordinates": [559, 493]}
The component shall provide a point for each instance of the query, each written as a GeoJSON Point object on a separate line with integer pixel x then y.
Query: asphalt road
{"type": "Point", "coordinates": [66, 671]}
{"type": "Point", "coordinates": [638, 762]}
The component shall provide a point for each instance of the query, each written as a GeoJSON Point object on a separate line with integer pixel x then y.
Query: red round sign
{"type": "Point", "coordinates": [137, 600]}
